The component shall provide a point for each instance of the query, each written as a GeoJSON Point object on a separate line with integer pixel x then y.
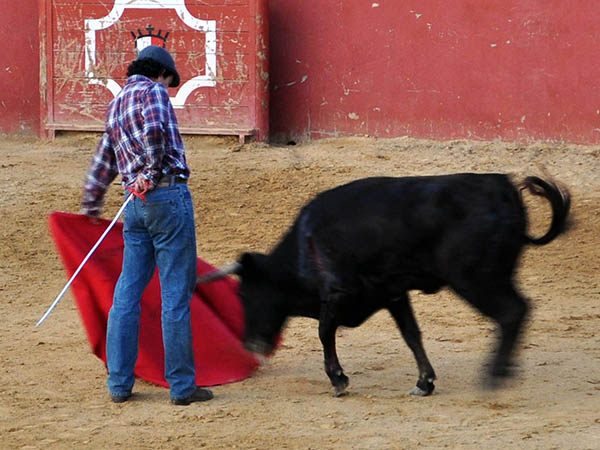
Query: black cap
{"type": "Point", "coordinates": [163, 57]}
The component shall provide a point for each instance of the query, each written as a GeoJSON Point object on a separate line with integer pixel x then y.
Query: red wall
{"type": "Point", "coordinates": [480, 69]}
{"type": "Point", "coordinates": [19, 68]}
{"type": "Point", "coordinates": [514, 70]}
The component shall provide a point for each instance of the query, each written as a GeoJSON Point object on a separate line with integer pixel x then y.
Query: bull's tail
{"type": "Point", "coordinates": [559, 199]}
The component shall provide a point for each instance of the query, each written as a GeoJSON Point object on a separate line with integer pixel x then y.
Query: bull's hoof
{"type": "Point", "coordinates": [423, 388]}
{"type": "Point", "coordinates": [499, 375]}
{"type": "Point", "coordinates": [340, 391]}
{"type": "Point", "coordinates": [494, 382]}
{"type": "Point", "coordinates": [340, 384]}
{"type": "Point", "coordinates": [418, 392]}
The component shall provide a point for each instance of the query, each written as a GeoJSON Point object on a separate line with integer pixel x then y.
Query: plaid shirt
{"type": "Point", "coordinates": [142, 136]}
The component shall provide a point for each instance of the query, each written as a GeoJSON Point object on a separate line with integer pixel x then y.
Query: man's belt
{"type": "Point", "coordinates": [170, 180]}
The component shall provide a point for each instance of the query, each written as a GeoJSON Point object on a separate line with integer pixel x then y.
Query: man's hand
{"type": "Point", "coordinates": [141, 185]}
{"type": "Point", "coordinates": [93, 217]}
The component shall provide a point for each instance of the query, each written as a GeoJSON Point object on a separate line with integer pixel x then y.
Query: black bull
{"type": "Point", "coordinates": [362, 246]}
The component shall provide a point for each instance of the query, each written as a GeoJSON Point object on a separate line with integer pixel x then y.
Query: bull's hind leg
{"type": "Point", "coordinates": [509, 309]}
{"type": "Point", "coordinates": [405, 319]}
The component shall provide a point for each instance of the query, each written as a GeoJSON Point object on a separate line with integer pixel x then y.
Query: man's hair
{"type": "Point", "coordinates": [147, 67]}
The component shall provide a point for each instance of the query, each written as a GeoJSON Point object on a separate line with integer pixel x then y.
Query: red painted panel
{"type": "Point", "coordinates": [216, 46]}
{"type": "Point", "coordinates": [515, 70]}
{"type": "Point", "coordinates": [19, 74]}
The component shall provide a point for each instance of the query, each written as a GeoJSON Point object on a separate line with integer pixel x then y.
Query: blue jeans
{"type": "Point", "coordinates": [158, 232]}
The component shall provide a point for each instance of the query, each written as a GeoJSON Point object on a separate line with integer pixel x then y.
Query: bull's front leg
{"type": "Point", "coordinates": [333, 369]}
{"type": "Point", "coordinates": [403, 315]}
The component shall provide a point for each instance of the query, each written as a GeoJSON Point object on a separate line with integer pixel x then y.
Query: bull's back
{"type": "Point", "coordinates": [419, 225]}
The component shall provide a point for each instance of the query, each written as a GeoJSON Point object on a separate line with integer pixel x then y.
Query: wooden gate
{"type": "Point", "coordinates": [220, 49]}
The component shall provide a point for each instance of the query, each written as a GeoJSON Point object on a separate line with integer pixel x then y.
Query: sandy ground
{"type": "Point", "coordinates": [53, 392]}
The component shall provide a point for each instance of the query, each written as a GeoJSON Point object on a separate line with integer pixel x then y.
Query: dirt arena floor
{"type": "Point", "coordinates": [53, 390]}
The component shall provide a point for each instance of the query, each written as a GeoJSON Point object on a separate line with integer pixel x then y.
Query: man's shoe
{"type": "Point", "coordinates": [119, 398]}
{"type": "Point", "coordinates": [199, 395]}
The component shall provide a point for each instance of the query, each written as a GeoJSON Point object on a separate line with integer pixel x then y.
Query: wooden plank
{"type": "Point", "coordinates": [188, 3]}
{"type": "Point", "coordinates": [69, 17]}
{"type": "Point", "coordinates": [78, 91]}
{"type": "Point", "coordinates": [228, 43]}
{"type": "Point", "coordinates": [114, 65]}
{"type": "Point", "coordinates": [45, 27]}
{"type": "Point", "coordinates": [183, 130]}
{"type": "Point", "coordinates": [209, 116]}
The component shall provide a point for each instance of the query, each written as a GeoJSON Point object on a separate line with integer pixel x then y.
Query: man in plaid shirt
{"type": "Point", "coordinates": [143, 144]}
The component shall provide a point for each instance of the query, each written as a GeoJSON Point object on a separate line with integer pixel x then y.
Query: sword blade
{"type": "Point", "coordinates": [64, 289]}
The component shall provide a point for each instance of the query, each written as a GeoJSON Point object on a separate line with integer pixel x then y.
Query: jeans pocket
{"type": "Point", "coordinates": [162, 216]}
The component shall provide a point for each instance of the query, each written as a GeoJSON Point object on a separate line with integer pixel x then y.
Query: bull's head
{"type": "Point", "coordinates": [262, 298]}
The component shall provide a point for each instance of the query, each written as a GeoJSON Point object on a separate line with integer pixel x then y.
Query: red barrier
{"type": "Point", "coordinates": [512, 70]}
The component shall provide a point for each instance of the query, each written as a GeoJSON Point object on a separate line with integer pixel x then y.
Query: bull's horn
{"type": "Point", "coordinates": [220, 273]}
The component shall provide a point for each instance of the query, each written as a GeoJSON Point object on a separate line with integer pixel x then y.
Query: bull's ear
{"type": "Point", "coordinates": [252, 263]}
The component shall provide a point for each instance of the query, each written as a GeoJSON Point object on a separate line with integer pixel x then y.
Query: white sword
{"type": "Point", "coordinates": [55, 302]}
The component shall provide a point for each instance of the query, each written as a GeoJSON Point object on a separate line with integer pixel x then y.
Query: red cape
{"type": "Point", "coordinates": [217, 314]}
